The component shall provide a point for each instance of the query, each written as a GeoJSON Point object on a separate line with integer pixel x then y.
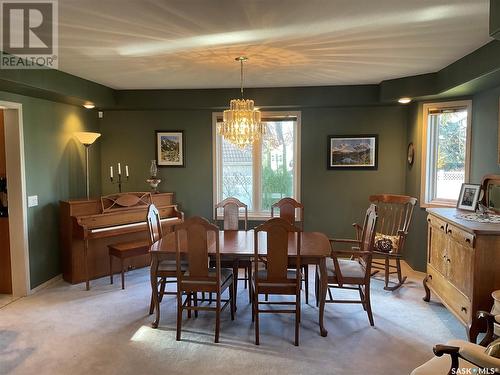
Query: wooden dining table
{"type": "Point", "coordinates": [235, 245]}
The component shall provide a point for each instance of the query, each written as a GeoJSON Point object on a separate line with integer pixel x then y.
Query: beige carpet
{"type": "Point", "coordinates": [67, 330]}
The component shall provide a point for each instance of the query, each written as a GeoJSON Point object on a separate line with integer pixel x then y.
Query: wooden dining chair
{"type": "Point", "coordinates": [192, 238]}
{"type": "Point", "coordinates": [276, 278]}
{"type": "Point", "coordinates": [231, 221]}
{"type": "Point", "coordinates": [355, 272]}
{"type": "Point", "coordinates": [287, 208]}
{"type": "Point", "coordinates": [167, 270]}
{"type": "Point", "coordinates": [394, 218]}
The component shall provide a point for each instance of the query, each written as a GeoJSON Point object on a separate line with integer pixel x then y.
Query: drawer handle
{"type": "Point", "coordinates": [429, 219]}
{"type": "Point", "coordinates": [450, 231]}
{"type": "Point", "coordinates": [442, 227]}
{"type": "Point", "coordinates": [448, 260]}
{"type": "Point", "coordinates": [430, 277]}
{"type": "Point", "coordinates": [464, 309]}
{"type": "Point", "coordinates": [467, 240]}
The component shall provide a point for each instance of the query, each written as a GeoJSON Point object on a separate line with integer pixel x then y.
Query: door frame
{"type": "Point", "coordinates": [16, 187]}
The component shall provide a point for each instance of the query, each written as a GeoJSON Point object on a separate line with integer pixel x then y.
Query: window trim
{"type": "Point", "coordinates": [424, 202]}
{"type": "Point", "coordinates": [217, 161]}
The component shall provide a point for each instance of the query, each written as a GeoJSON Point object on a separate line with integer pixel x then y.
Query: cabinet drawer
{"type": "Point", "coordinates": [436, 222]}
{"type": "Point", "coordinates": [462, 237]}
{"type": "Point", "coordinates": [451, 297]}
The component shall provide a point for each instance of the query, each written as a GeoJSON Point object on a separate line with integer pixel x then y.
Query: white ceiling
{"type": "Point", "coordinates": [154, 44]}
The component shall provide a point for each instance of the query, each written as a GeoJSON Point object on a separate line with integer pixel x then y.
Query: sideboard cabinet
{"type": "Point", "coordinates": [463, 264]}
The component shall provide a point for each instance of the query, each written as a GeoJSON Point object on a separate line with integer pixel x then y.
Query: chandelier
{"type": "Point", "coordinates": [241, 123]}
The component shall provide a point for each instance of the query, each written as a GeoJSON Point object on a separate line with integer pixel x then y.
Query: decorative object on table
{"type": "Point", "coordinates": [491, 197]}
{"type": "Point", "coordinates": [469, 196]}
{"type": "Point", "coordinates": [410, 155]}
{"type": "Point", "coordinates": [153, 181]}
{"type": "Point", "coordinates": [352, 151]}
{"type": "Point", "coordinates": [241, 124]}
{"type": "Point", "coordinates": [119, 181]}
{"type": "Point", "coordinates": [170, 148]}
{"type": "Point", "coordinates": [479, 217]}
{"type": "Point", "coordinates": [87, 139]}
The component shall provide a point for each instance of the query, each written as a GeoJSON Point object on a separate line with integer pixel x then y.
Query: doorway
{"type": "Point", "coordinates": [14, 229]}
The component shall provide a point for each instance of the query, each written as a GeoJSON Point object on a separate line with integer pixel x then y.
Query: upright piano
{"type": "Point", "coordinates": [87, 227]}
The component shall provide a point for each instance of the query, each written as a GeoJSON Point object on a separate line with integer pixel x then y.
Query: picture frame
{"type": "Point", "coordinates": [352, 152]}
{"type": "Point", "coordinates": [469, 196]}
{"type": "Point", "coordinates": [170, 148]}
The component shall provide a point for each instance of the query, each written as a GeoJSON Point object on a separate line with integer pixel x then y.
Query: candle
{"type": "Point", "coordinates": [126, 170]}
{"type": "Point", "coordinates": [119, 169]}
{"type": "Point", "coordinates": [111, 172]}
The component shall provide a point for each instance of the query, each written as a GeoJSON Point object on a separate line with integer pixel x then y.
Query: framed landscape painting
{"type": "Point", "coordinates": [170, 148]}
{"type": "Point", "coordinates": [352, 151]}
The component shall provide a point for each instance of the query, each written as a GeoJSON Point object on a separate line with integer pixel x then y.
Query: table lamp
{"type": "Point", "coordinates": [86, 139]}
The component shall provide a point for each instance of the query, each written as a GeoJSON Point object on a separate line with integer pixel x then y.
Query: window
{"type": "Point", "coordinates": [264, 173]}
{"type": "Point", "coordinates": [445, 155]}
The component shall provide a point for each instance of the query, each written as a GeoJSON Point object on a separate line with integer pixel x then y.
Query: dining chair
{"type": "Point", "coordinates": [276, 278]}
{"type": "Point", "coordinates": [167, 266]}
{"type": "Point", "coordinates": [353, 273]}
{"type": "Point", "coordinates": [231, 221]}
{"type": "Point", "coordinates": [394, 218]}
{"type": "Point", "coordinates": [192, 238]}
{"type": "Point", "coordinates": [287, 208]}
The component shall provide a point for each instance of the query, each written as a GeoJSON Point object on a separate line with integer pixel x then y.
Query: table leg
{"type": "Point", "coordinates": [154, 290]}
{"type": "Point", "coordinates": [235, 275]}
{"type": "Point", "coordinates": [323, 287]}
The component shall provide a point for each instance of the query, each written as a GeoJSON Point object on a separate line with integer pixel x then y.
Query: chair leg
{"type": "Point", "coordinates": [368, 305]}
{"type": "Point", "coordinates": [249, 273]}
{"type": "Point", "coordinates": [179, 315]}
{"type": "Point", "coordinates": [246, 277]}
{"type": "Point", "coordinates": [253, 302]}
{"type": "Point", "coordinates": [151, 305]}
{"type": "Point", "coordinates": [195, 301]}
{"type": "Point", "coordinates": [163, 285]}
{"type": "Point", "coordinates": [111, 269]}
{"type": "Point", "coordinates": [217, 318]}
{"type": "Point", "coordinates": [123, 275]}
{"type": "Point", "coordinates": [386, 272]}
{"type": "Point", "coordinates": [231, 298]}
{"type": "Point", "coordinates": [297, 318]}
{"type": "Point", "coordinates": [306, 282]}
{"type": "Point", "coordinates": [256, 313]}
{"type": "Point", "coordinates": [316, 286]}
{"type": "Point", "coordinates": [362, 297]}
{"type": "Point", "coordinates": [189, 297]}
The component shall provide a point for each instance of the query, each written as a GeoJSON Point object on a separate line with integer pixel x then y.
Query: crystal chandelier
{"type": "Point", "coordinates": [241, 123]}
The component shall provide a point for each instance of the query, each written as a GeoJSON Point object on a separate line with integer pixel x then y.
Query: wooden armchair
{"type": "Point", "coordinates": [191, 238]}
{"type": "Point", "coordinates": [394, 218]}
{"type": "Point", "coordinates": [231, 221]}
{"type": "Point", "coordinates": [276, 278]}
{"type": "Point", "coordinates": [355, 272]}
{"type": "Point", "coordinates": [287, 208]}
{"type": "Point", "coordinates": [464, 357]}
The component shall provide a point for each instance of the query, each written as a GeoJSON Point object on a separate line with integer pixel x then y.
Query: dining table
{"type": "Point", "coordinates": [238, 245]}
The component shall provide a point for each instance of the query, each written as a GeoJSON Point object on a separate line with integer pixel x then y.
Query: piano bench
{"type": "Point", "coordinates": [124, 250]}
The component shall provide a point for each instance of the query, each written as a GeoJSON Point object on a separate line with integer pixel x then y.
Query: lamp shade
{"type": "Point", "coordinates": [87, 138]}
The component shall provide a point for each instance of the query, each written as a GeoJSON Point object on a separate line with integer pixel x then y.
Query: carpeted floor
{"type": "Point", "coordinates": [67, 330]}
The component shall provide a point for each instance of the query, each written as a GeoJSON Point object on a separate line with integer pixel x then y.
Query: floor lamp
{"type": "Point", "coordinates": [86, 139]}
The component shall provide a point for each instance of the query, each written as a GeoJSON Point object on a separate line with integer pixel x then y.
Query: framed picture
{"type": "Point", "coordinates": [170, 148]}
{"type": "Point", "coordinates": [469, 195]}
{"type": "Point", "coordinates": [352, 151]}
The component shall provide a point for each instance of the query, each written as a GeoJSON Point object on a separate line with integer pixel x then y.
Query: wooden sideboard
{"type": "Point", "coordinates": [463, 264]}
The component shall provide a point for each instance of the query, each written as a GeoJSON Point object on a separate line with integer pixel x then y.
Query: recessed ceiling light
{"type": "Point", "coordinates": [89, 105]}
{"type": "Point", "coordinates": [404, 100]}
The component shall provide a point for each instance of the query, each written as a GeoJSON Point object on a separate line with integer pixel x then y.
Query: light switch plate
{"type": "Point", "coordinates": [33, 200]}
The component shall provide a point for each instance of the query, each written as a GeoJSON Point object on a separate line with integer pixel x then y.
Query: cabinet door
{"type": "Point", "coordinates": [459, 259]}
{"type": "Point", "coordinates": [437, 242]}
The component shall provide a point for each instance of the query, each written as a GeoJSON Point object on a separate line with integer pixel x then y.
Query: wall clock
{"type": "Point", "coordinates": [411, 154]}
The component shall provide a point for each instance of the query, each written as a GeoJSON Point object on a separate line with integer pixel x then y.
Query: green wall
{"type": "Point", "coordinates": [332, 199]}
{"type": "Point", "coordinates": [54, 164]}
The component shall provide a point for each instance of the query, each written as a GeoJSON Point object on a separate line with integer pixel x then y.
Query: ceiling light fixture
{"type": "Point", "coordinates": [404, 100]}
{"type": "Point", "coordinates": [89, 105]}
{"type": "Point", "coordinates": [241, 123]}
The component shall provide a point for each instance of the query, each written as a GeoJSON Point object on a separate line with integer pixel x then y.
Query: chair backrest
{"type": "Point", "coordinates": [154, 224]}
{"type": "Point", "coordinates": [192, 237]}
{"type": "Point", "coordinates": [395, 213]}
{"type": "Point", "coordinates": [287, 207]}
{"type": "Point", "coordinates": [231, 210]}
{"type": "Point", "coordinates": [277, 241]}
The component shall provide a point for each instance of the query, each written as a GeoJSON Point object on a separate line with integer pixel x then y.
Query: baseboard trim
{"type": "Point", "coordinates": [46, 284]}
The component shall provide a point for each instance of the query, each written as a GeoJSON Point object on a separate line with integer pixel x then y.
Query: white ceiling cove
{"type": "Point", "coordinates": [154, 44]}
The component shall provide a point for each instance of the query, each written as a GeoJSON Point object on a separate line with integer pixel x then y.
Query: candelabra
{"type": "Point", "coordinates": [119, 181]}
